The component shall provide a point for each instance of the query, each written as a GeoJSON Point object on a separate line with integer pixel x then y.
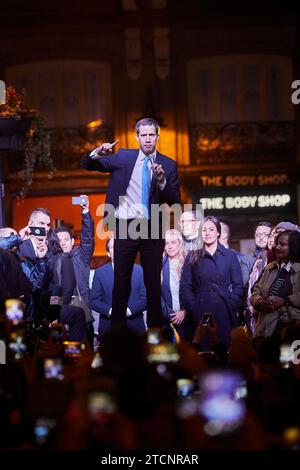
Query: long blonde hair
{"type": "Point", "coordinates": [175, 234]}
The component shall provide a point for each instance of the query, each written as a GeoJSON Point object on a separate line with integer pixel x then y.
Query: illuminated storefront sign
{"type": "Point", "coordinates": [272, 192]}
{"type": "Point", "coordinates": [245, 202]}
{"type": "Point", "coordinates": [243, 180]}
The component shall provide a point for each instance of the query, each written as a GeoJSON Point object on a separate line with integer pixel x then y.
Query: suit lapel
{"type": "Point", "coordinates": [132, 158]}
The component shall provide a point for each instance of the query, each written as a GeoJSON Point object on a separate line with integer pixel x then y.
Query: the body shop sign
{"type": "Point", "coordinates": [261, 193]}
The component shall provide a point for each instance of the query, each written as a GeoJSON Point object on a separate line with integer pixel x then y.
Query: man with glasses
{"type": "Point", "coordinates": [190, 223]}
{"type": "Point", "coordinates": [256, 263]}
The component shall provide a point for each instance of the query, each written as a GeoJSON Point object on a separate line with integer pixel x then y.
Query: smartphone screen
{"type": "Point", "coordinates": [17, 345]}
{"type": "Point", "coordinates": [153, 336]}
{"type": "Point", "coordinates": [37, 231]}
{"type": "Point", "coordinates": [184, 387]}
{"type": "Point", "coordinates": [14, 310]}
{"type": "Point", "coordinates": [53, 368]}
{"type": "Point", "coordinates": [42, 428]}
{"type": "Point", "coordinates": [101, 405]}
{"type": "Point", "coordinates": [221, 403]}
{"type": "Point", "coordinates": [72, 348]}
{"type": "Point", "coordinates": [163, 353]}
{"type": "Point", "coordinates": [286, 356]}
{"type": "Point", "coordinates": [76, 201]}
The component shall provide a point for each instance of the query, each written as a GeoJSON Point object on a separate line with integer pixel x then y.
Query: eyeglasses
{"type": "Point", "coordinates": [182, 222]}
{"type": "Point", "coordinates": [261, 235]}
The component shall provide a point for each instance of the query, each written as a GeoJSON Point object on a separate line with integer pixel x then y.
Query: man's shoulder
{"type": "Point", "coordinates": [125, 152]}
{"type": "Point", "coordinates": [166, 159]}
{"type": "Point", "coordinates": [105, 268]}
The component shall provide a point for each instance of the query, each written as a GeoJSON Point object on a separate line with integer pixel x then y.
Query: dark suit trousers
{"type": "Point", "coordinates": [125, 251]}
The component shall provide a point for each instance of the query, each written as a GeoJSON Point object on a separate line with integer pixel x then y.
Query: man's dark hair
{"type": "Point", "coordinates": [146, 122]}
{"type": "Point", "coordinates": [64, 228]}
{"type": "Point", "coordinates": [264, 224]}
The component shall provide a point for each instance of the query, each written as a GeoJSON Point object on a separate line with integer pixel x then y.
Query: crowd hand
{"type": "Point", "coordinates": [42, 248]}
{"type": "Point", "coordinates": [178, 317]}
{"type": "Point", "coordinates": [85, 207]}
{"type": "Point", "coordinates": [212, 331]}
{"type": "Point", "coordinates": [104, 149]}
{"type": "Point", "coordinates": [276, 302]}
{"type": "Point", "coordinates": [159, 172]}
{"type": "Point", "coordinates": [25, 233]}
{"type": "Point", "coordinates": [265, 306]}
{"type": "Point", "coordinates": [199, 332]}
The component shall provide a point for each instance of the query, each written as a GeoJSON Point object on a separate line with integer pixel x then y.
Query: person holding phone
{"type": "Point", "coordinates": [69, 268]}
{"type": "Point", "coordinates": [139, 179]}
{"type": "Point", "coordinates": [35, 270]}
{"type": "Point", "coordinates": [35, 244]}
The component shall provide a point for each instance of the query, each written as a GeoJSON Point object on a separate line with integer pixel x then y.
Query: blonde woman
{"type": "Point", "coordinates": [171, 272]}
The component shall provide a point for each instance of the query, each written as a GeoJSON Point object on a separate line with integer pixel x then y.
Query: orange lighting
{"type": "Point", "coordinates": [94, 124]}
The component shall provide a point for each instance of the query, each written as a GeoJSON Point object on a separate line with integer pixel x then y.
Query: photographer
{"type": "Point", "coordinates": [36, 235]}
{"type": "Point", "coordinates": [35, 270]}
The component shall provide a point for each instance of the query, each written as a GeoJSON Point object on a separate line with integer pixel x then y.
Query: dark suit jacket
{"type": "Point", "coordinates": [101, 297]}
{"type": "Point", "coordinates": [26, 250]}
{"type": "Point", "coordinates": [103, 282]}
{"type": "Point", "coordinates": [120, 167]}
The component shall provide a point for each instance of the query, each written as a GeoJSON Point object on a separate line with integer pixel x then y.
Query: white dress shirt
{"type": "Point", "coordinates": [131, 204]}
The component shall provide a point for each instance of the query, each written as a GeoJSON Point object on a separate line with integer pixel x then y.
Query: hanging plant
{"type": "Point", "coordinates": [36, 141]}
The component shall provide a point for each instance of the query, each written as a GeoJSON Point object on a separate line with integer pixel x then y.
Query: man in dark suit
{"type": "Point", "coordinates": [139, 179]}
{"type": "Point", "coordinates": [102, 290]}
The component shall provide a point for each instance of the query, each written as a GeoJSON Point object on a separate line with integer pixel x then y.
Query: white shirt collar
{"type": "Point", "coordinates": [286, 266]}
{"type": "Point", "coordinates": [151, 156]}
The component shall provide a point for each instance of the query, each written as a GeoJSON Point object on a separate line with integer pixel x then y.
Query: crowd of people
{"type": "Point", "coordinates": [193, 348]}
{"type": "Point", "coordinates": [222, 310]}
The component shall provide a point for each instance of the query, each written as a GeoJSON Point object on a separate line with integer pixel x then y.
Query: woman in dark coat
{"type": "Point", "coordinates": [212, 281]}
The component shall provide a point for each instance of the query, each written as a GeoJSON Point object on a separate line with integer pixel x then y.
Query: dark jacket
{"type": "Point", "coordinates": [101, 298]}
{"type": "Point", "coordinates": [120, 167]}
{"type": "Point", "coordinates": [13, 282]}
{"type": "Point", "coordinates": [81, 259]}
{"type": "Point", "coordinates": [213, 284]}
{"type": "Point", "coordinates": [103, 282]}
